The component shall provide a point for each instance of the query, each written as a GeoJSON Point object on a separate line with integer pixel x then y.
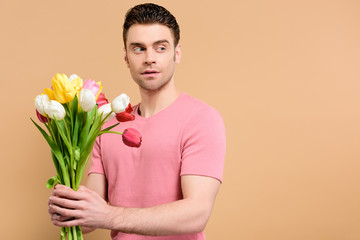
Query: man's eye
{"type": "Point", "coordinates": [138, 49]}
{"type": "Point", "coordinates": [161, 49]}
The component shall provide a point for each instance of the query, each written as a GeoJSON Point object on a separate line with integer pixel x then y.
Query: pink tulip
{"type": "Point", "coordinates": [41, 118]}
{"type": "Point", "coordinates": [92, 85]}
{"type": "Point", "coordinates": [101, 100]}
{"type": "Point", "coordinates": [126, 115]}
{"type": "Point", "coordinates": [131, 137]}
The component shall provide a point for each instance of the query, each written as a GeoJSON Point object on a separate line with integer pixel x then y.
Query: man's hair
{"type": "Point", "coordinates": [150, 13]}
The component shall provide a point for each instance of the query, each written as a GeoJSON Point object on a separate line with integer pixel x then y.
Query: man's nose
{"type": "Point", "coordinates": [150, 58]}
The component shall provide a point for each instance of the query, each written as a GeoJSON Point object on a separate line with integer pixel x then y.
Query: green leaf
{"type": "Point", "coordinates": [63, 133]}
{"type": "Point", "coordinates": [108, 128]}
{"type": "Point", "coordinates": [85, 131]}
{"type": "Point", "coordinates": [75, 165]}
{"type": "Point", "coordinates": [57, 137]}
{"type": "Point", "coordinates": [52, 182]}
{"type": "Point", "coordinates": [76, 153]}
{"type": "Point", "coordinates": [41, 130]}
{"type": "Point", "coordinates": [74, 106]}
{"type": "Point", "coordinates": [68, 115]}
{"type": "Point", "coordinates": [55, 149]}
{"type": "Point", "coordinates": [57, 152]}
{"type": "Point", "coordinates": [81, 166]}
{"type": "Point", "coordinates": [84, 157]}
{"type": "Point", "coordinates": [95, 128]}
{"type": "Point", "coordinates": [67, 158]}
{"type": "Point", "coordinates": [75, 134]}
{"type": "Point", "coordinates": [56, 163]}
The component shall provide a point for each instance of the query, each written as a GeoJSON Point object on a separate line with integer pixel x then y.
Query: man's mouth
{"type": "Point", "coordinates": [149, 72]}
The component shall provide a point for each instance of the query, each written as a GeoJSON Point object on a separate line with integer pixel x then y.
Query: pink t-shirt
{"type": "Point", "coordinates": [186, 138]}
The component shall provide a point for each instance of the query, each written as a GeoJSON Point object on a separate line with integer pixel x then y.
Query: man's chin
{"type": "Point", "coordinates": [152, 85]}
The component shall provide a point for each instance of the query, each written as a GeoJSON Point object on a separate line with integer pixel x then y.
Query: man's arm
{"type": "Point", "coordinates": [188, 215]}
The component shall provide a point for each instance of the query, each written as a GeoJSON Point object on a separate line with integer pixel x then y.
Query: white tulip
{"type": "Point", "coordinates": [120, 103]}
{"type": "Point", "coordinates": [55, 110]}
{"type": "Point", "coordinates": [105, 110]}
{"type": "Point", "coordinates": [72, 77]}
{"type": "Point", "coordinates": [87, 100]}
{"type": "Point", "coordinates": [40, 102]}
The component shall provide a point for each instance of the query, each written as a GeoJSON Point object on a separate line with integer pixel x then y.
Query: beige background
{"type": "Point", "coordinates": [283, 74]}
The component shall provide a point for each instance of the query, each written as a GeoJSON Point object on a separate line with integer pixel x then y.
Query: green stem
{"type": "Point", "coordinates": [67, 131]}
{"type": "Point", "coordinates": [65, 173]}
{"type": "Point", "coordinates": [74, 232]}
{"type": "Point", "coordinates": [82, 164]}
{"type": "Point", "coordinates": [85, 117]}
{"type": "Point", "coordinates": [70, 235]}
{"type": "Point", "coordinates": [70, 113]}
{"type": "Point", "coordinates": [120, 133]}
{"type": "Point", "coordinates": [72, 173]}
{"type": "Point", "coordinates": [103, 119]}
{"type": "Point", "coordinates": [79, 233]}
{"type": "Point", "coordinates": [48, 126]}
{"type": "Point", "coordinates": [63, 233]}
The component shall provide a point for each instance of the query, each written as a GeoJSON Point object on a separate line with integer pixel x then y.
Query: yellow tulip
{"type": "Point", "coordinates": [64, 90]}
{"type": "Point", "coordinates": [77, 84]}
{"type": "Point", "coordinates": [50, 93]}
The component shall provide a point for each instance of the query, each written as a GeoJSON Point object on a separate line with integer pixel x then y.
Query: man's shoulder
{"type": "Point", "coordinates": [195, 105]}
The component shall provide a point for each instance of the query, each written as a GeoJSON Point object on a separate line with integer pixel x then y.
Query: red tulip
{"type": "Point", "coordinates": [131, 137]}
{"type": "Point", "coordinates": [42, 118]}
{"type": "Point", "coordinates": [125, 115]}
{"type": "Point", "coordinates": [101, 100]}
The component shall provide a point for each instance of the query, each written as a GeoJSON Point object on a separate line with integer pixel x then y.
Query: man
{"type": "Point", "coordinates": [167, 187]}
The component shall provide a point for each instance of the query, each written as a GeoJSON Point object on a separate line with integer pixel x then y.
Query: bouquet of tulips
{"type": "Point", "coordinates": [73, 113]}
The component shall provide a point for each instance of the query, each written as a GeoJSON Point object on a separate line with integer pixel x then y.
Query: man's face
{"type": "Point", "coordinates": [151, 56]}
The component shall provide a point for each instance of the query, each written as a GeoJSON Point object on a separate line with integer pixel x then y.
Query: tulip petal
{"type": "Point", "coordinates": [87, 100]}
{"type": "Point", "coordinates": [120, 103]}
{"type": "Point", "coordinates": [50, 93]}
{"type": "Point", "coordinates": [126, 115]}
{"type": "Point", "coordinates": [131, 137]}
{"type": "Point", "coordinates": [55, 110]}
{"type": "Point", "coordinates": [104, 111]}
{"type": "Point", "coordinates": [40, 102]}
{"type": "Point", "coordinates": [41, 118]}
{"type": "Point", "coordinates": [101, 100]}
{"type": "Point", "coordinates": [63, 89]}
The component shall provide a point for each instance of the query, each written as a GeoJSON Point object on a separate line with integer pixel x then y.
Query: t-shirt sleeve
{"type": "Point", "coordinates": [96, 161]}
{"type": "Point", "coordinates": [204, 145]}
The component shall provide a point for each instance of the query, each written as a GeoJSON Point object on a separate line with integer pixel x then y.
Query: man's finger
{"type": "Point", "coordinates": [64, 211]}
{"type": "Point", "coordinates": [65, 203]}
{"type": "Point", "coordinates": [70, 223]}
{"type": "Point", "coordinates": [66, 192]}
{"type": "Point", "coordinates": [59, 218]}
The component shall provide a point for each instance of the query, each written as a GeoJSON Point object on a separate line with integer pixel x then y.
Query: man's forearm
{"type": "Point", "coordinates": [87, 208]}
{"type": "Point", "coordinates": [180, 217]}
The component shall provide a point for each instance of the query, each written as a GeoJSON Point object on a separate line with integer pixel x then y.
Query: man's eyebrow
{"type": "Point", "coordinates": [161, 41]}
{"type": "Point", "coordinates": [155, 43]}
{"type": "Point", "coordinates": [136, 44]}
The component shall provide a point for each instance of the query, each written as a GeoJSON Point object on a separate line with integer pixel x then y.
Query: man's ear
{"type": "Point", "coordinates": [126, 58]}
{"type": "Point", "coordinates": [178, 53]}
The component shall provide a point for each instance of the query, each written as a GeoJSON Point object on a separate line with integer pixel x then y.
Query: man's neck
{"type": "Point", "coordinates": [153, 102]}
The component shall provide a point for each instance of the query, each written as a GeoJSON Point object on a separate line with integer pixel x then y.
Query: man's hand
{"type": "Point", "coordinates": [83, 207]}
